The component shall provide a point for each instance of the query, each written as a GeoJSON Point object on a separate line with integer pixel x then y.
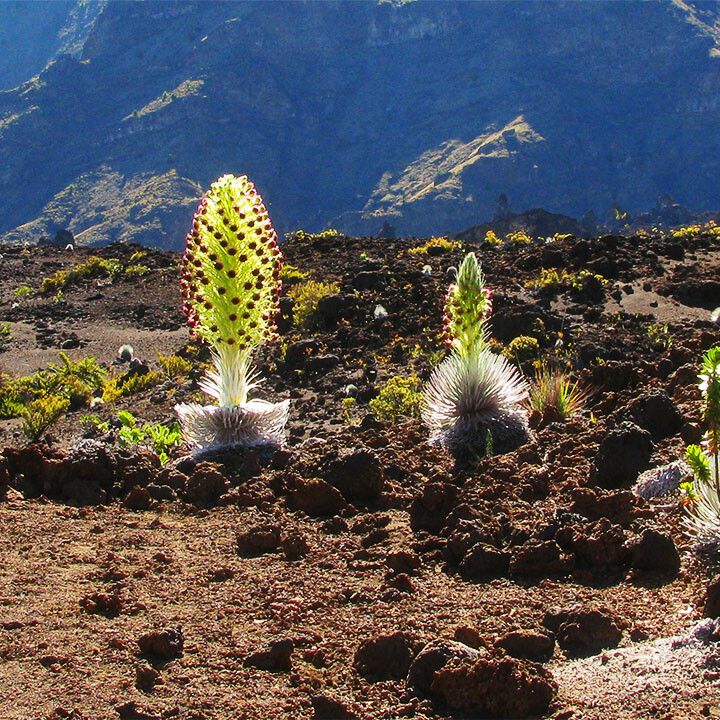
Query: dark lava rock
{"type": "Point", "coordinates": [433, 657]}
{"type": "Point", "coordinates": [163, 644]}
{"type": "Point", "coordinates": [552, 258]}
{"type": "Point", "coordinates": [276, 658]}
{"type": "Point", "coordinates": [369, 280]}
{"type": "Point", "coordinates": [357, 474]}
{"type": "Point", "coordinates": [295, 545]}
{"type": "Point", "coordinates": [429, 509]}
{"type": "Point", "coordinates": [328, 708]}
{"type": "Point", "coordinates": [259, 540]}
{"type": "Point", "coordinates": [146, 677]}
{"type": "Point", "coordinates": [528, 645]}
{"type": "Point", "coordinates": [316, 497]}
{"type": "Point", "coordinates": [598, 544]}
{"type": "Point", "coordinates": [138, 499]}
{"type": "Point", "coordinates": [161, 492]}
{"type": "Point", "coordinates": [108, 604]}
{"type": "Point", "coordinates": [712, 599]}
{"type": "Point", "coordinates": [656, 552]}
{"type": "Point", "coordinates": [483, 561]}
{"type": "Point", "coordinates": [623, 454]}
{"type": "Point", "coordinates": [584, 631]}
{"type": "Point", "coordinates": [332, 308]}
{"type": "Point", "coordinates": [386, 656]}
{"type": "Point", "coordinates": [498, 687]}
{"type": "Point", "coordinates": [322, 363]}
{"type": "Point", "coordinates": [541, 559]}
{"type": "Point", "coordinates": [298, 352]}
{"type": "Point", "coordinates": [206, 485]}
{"type": "Point", "coordinates": [403, 561]}
{"type": "Point", "coordinates": [657, 413]}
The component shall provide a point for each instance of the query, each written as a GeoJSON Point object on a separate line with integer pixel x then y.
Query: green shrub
{"type": "Point", "coordinates": [139, 255]}
{"type": "Point", "coordinates": [307, 296]}
{"type": "Point", "coordinates": [22, 291]}
{"type": "Point", "coordinates": [40, 414]}
{"type": "Point", "coordinates": [125, 385]}
{"type": "Point", "coordinates": [550, 282]}
{"type": "Point", "coordinates": [290, 275]}
{"type": "Point", "coordinates": [439, 245]}
{"type": "Point", "coordinates": [11, 401]}
{"type": "Point", "coordinates": [522, 348]}
{"type": "Point", "coordinates": [554, 393]}
{"type": "Point", "coordinates": [174, 365]}
{"type": "Point", "coordinates": [136, 270]}
{"type": "Point", "coordinates": [519, 238]}
{"type": "Point", "coordinates": [5, 334]}
{"type": "Point", "coordinates": [398, 396]}
{"type": "Point", "coordinates": [93, 267]}
{"type": "Point", "coordinates": [158, 438]}
{"type": "Point", "coordinates": [75, 381]}
{"type": "Point", "coordinates": [312, 237]}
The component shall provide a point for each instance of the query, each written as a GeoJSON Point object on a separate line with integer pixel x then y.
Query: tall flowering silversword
{"type": "Point", "coordinates": [704, 459]}
{"type": "Point", "coordinates": [231, 290]}
{"type": "Point", "coordinates": [473, 398]}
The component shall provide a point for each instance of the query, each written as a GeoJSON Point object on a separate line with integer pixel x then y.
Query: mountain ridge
{"type": "Point", "coordinates": [354, 115]}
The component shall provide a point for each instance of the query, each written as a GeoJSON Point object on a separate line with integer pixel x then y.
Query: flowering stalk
{"type": "Point", "coordinates": [468, 304]}
{"type": "Point", "coordinates": [473, 396]}
{"type": "Point", "coordinates": [231, 290]}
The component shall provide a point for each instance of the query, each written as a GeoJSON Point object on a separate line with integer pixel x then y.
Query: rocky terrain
{"type": "Point", "coordinates": [360, 572]}
{"type": "Point", "coordinates": [352, 114]}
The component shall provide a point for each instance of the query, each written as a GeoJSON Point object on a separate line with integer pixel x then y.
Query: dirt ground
{"type": "Point", "coordinates": [307, 582]}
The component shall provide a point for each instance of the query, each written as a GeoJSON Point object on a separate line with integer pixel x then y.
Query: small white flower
{"type": "Point", "coordinates": [380, 312]}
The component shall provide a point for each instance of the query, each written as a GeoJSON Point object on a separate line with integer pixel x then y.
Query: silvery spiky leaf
{"type": "Point", "coordinates": [233, 377]}
{"type": "Point", "coordinates": [255, 422]}
{"type": "Point", "coordinates": [704, 513]}
{"type": "Point", "coordinates": [661, 480]}
{"type": "Point", "coordinates": [472, 395]}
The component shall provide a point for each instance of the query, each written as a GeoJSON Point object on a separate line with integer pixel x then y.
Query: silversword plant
{"type": "Point", "coordinates": [231, 290]}
{"type": "Point", "coordinates": [473, 398]}
{"type": "Point", "coordinates": [704, 459]}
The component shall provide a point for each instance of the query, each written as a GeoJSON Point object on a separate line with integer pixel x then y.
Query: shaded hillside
{"type": "Point", "coordinates": [34, 33]}
{"type": "Point", "coordinates": [353, 114]}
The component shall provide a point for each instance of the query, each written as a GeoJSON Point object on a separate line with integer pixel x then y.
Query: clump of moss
{"type": "Point", "coordinates": [307, 297]}
{"type": "Point", "coordinates": [397, 397]}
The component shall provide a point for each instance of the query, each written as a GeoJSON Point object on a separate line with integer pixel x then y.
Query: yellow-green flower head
{"type": "Point", "coordinates": [231, 267]}
{"type": "Point", "coordinates": [467, 306]}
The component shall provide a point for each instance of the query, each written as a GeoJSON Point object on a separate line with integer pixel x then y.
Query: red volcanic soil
{"type": "Point", "coordinates": [360, 572]}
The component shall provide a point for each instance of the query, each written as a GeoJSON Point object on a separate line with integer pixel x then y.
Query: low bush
{"type": "Point", "coordinates": [553, 392]}
{"type": "Point", "coordinates": [436, 246]}
{"type": "Point", "coordinates": [125, 385]}
{"type": "Point", "coordinates": [521, 349]}
{"type": "Point", "coordinates": [290, 275]}
{"type": "Point", "coordinates": [40, 414]}
{"type": "Point", "coordinates": [397, 397]}
{"type": "Point", "coordinates": [174, 365]}
{"type": "Point", "coordinates": [307, 295]}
